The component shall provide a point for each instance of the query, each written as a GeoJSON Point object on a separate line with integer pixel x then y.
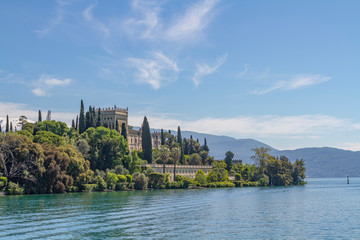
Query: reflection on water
{"type": "Point", "coordinates": [323, 209]}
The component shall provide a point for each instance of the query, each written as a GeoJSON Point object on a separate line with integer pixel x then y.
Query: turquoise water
{"type": "Point", "coordinates": [323, 209]}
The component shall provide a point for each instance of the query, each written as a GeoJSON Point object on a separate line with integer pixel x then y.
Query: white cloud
{"type": "Point", "coordinates": [96, 24]}
{"type": "Point", "coordinates": [194, 20]}
{"type": "Point", "coordinates": [46, 83]}
{"type": "Point", "coordinates": [352, 146]}
{"type": "Point", "coordinates": [297, 81]}
{"type": "Point", "coordinates": [156, 71]}
{"type": "Point", "coordinates": [204, 69]}
{"type": "Point", "coordinates": [148, 24]}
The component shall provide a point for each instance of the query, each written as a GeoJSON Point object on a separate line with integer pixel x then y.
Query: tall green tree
{"type": "Point", "coordinates": [164, 155]}
{"type": "Point", "coordinates": [162, 137]}
{"type": "Point", "coordinates": [117, 126]}
{"type": "Point", "coordinates": [77, 122]}
{"type": "Point", "coordinates": [98, 121]}
{"type": "Point", "coordinates": [146, 141]}
{"type": "Point", "coordinates": [82, 123]}
{"type": "Point", "coordinates": [93, 120]}
{"type": "Point", "coordinates": [11, 127]}
{"type": "Point", "coordinates": [180, 141]}
{"type": "Point", "coordinates": [73, 123]}
{"type": "Point", "coordinates": [228, 160]}
{"type": "Point", "coordinates": [39, 117]}
{"type": "Point", "coordinates": [123, 131]}
{"type": "Point", "coordinates": [87, 120]}
{"type": "Point", "coordinates": [205, 146]}
{"type": "Point", "coordinates": [7, 128]}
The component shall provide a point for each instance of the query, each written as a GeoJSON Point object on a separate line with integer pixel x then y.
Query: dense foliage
{"type": "Point", "coordinates": [48, 157]}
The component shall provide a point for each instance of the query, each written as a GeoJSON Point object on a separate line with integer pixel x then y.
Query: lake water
{"type": "Point", "coordinates": [323, 209]}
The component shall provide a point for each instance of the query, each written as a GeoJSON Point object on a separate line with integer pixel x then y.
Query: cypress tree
{"type": "Point", "coordinates": [146, 141]}
{"type": "Point", "coordinates": [73, 123]}
{"type": "Point", "coordinates": [190, 136]}
{"type": "Point", "coordinates": [82, 123]}
{"type": "Point", "coordinates": [0, 128]}
{"type": "Point", "coordinates": [11, 128]}
{"type": "Point", "coordinates": [93, 117]}
{"type": "Point", "coordinates": [123, 131]}
{"type": "Point", "coordinates": [205, 146]}
{"type": "Point", "coordinates": [77, 122]}
{"type": "Point", "coordinates": [7, 124]}
{"type": "Point", "coordinates": [117, 126]}
{"type": "Point", "coordinates": [169, 131]}
{"type": "Point", "coordinates": [98, 121]}
{"type": "Point", "coordinates": [39, 117]}
{"type": "Point", "coordinates": [180, 141]}
{"type": "Point", "coordinates": [197, 140]}
{"type": "Point", "coordinates": [87, 120]}
{"type": "Point", "coordinates": [162, 137]}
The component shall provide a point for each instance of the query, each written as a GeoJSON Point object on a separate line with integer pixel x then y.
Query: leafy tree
{"type": "Point", "coordinates": [146, 141]}
{"type": "Point", "coordinates": [176, 155]}
{"type": "Point", "coordinates": [195, 159]}
{"type": "Point", "coordinates": [164, 155]}
{"type": "Point", "coordinates": [123, 131]}
{"type": "Point", "coordinates": [261, 158]}
{"type": "Point", "coordinates": [298, 173]}
{"type": "Point", "coordinates": [20, 158]}
{"type": "Point", "coordinates": [82, 123]}
{"type": "Point", "coordinates": [22, 121]}
{"type": "Point", "coordinates": [218, 173]}
{"type": "Point", "coordinates": [39, 116]}
{"type": "Point", "coordinates": [56, 127]}
{"type": "Point", "coordinates": [55, 178]}
{"type": "Point", "coordinates": [228, 159]}
{"type": "Point", "coordinates": [49, 138]}
{"type": "Point", "coordinates": [107, 148]}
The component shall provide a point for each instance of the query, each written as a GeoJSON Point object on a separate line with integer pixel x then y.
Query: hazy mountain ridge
{"type": "Point", "coordinates": [320, 162]}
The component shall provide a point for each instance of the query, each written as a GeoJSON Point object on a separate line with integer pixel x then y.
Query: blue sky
{"type": "Point", "coordinates": [282, 72]}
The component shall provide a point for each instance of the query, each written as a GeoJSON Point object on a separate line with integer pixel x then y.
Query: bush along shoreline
{"type": "Point", "coordinates": [49, 157]}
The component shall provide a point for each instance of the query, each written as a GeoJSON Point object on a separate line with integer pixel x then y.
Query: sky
{"type": "Point", "coordinates": [286, 73]}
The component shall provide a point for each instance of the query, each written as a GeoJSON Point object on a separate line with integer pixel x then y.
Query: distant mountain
{"type": "Point", "coordinates": [320, 162]}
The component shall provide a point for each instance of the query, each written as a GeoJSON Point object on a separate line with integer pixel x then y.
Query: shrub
{"type": "Point", "coordinates": [122, 178]}
{"type": "Point", "coordinates": [221, 184]}
{"type": "Point", "coordinates": [250, 184]}
{"type": "Point", "coordinates": [120, 186]}
{"type": "Point", "coordinates": [238, 177]}
{"type": "Point", "coordinates": [111, 180]}
{"type": "Point", "coordinates": [100, 183]}
{"type": "Point", "coordinates": [129, 178]}
{"type": "Point", "coordinates": [89, 187]}
{"type": "Point", "coordinates": [158, 180]}
{"type": "Point", "coordinates": [200, 177]}
{"type": "Point", "coordinates": [238, 183]}
{"type": "Point", "coordinates": [14, 189]}
{"type": "Point", "coordinates": [140, 181]}
{"type": "Point", "coordinates": [3, 181]}
{"type": "Point", "coordinates": [72, 189]}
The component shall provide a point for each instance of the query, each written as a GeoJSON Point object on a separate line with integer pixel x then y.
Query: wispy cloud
{"type": "Point", "coordinates": [155, 71]}
{"type": "Point", "coordinates": [205, 69]}
{"type": "Point", "coordinates": [246, 67]}
{"type": "Point", "coordinates": [53, 23]}
{"type": "Point", "coordinates": [297, 81]}
{"type": "Point", "coordinates": [193, 21]}
{"type": "Point", "coordinates": [148, 24]}
{"type": "Point", "coordinates": [99, 26]}
{"type": "Point", "coordinates": [46, 82]}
